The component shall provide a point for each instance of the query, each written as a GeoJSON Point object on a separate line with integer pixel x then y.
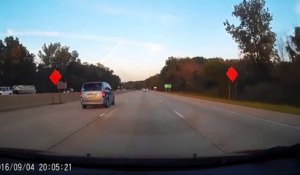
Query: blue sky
{"type": "Point", "coordinates": [134, 37]}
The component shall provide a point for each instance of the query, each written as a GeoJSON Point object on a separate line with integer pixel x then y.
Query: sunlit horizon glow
{"type": "Point", "coordinates": [131, 37]}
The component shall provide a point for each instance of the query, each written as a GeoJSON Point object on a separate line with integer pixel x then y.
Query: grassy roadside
{"type": "Point", "coordinates": [260, 105]}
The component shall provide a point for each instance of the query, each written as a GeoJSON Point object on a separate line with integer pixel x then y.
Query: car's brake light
{"type": "Point", "coordinates": [103, 94]}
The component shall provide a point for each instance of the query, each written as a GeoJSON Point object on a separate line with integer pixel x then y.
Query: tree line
{"type": "Point", "coordinates": [264, 75]}
{"type": "Point", "coordinates": [20, 67]}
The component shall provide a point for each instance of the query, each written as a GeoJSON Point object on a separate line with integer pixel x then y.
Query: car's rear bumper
{"type": "Point", "coordinates": [100, 102]}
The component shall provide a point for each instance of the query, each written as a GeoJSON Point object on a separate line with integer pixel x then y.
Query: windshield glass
{"type": "Point", "coordinates": [174, 78]}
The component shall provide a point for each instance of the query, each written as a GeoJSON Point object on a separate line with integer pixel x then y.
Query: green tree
{"type": "Point", "coordinates": [293, 46]}
{"type": "Point", "coordinates": [292, 68]}
{"type": "Point", "coordinates": [137, 85]}
{"type": "Point", "coordinates": [183, 73]}
{"type": "Point", "coordinates": [16, 63]}
{"type": "Point", "coordinates": [169, 74]}
{"type": "Point", "coordinates": [75, 73]}
{"type": "Point", "coordinates": [254, 36]}
{"type": "Point", "coordinates": [214, 77]}
{"type": "Point", "coordinates": [154, 81]}
{"type": "Point", "coordinates": [78, 73]}
{"type": "Point", "coordinates": [56, 56]}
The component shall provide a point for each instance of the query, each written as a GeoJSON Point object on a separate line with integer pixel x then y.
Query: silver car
{"type": "Point", "coordinates": [96, 93]}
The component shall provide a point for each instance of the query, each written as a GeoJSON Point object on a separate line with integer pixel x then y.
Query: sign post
{"type": "Point", "coordinates": [168, 87]}
{"type": "Point", "coordinates": [229, 95]}
{"type": "Point", "coordinates": [55, 77]}
{"type": "Point", "coordinates": [232, 74]}
{"type": "Point", "coordinates": [235, 89]}
{"type": "Point", "coordinates": [61, 86]}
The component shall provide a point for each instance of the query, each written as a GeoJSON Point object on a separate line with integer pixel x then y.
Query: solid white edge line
{"type": "Point", "coordinates": [101, 115]}
{"type": "Point", "coordinates": [270, 121]}
{"type": "Point", "coordinates": [177, 113]}
{"type": "Point", "coordinates": [257, 118]}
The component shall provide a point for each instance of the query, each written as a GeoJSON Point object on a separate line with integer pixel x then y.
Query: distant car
{"type": "Point", "coordinates": [96, 93]}
{"type": "Point", "coordinates": [5, 91]}
{"type": "Point", "coordinates": [24, 89]}
{"type": "Point", "coordinates": [68, 91]}
{"type": "Point", "coordinates": [144, 90]}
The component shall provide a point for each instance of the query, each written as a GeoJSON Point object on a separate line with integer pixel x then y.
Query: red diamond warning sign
{"type": "Point", "coordinates": [55, 77]}
{"type": "Point", "coordinates": [232, 74]}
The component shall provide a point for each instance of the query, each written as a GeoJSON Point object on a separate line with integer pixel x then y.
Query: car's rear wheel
{"type": "Point", "coordinates": [113, 102]}
{"type": "Point", "coordinates": [83, 106]}
{"type": "Point", "coordinates": [106, 103]}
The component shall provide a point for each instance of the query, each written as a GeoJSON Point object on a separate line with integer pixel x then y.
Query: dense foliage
{"type": "Point", "coordinates": [18, 66]}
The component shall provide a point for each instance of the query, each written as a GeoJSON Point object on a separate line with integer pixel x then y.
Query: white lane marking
{"type": "Point", "coordinates": [101, 115]}
{"type": "Point", "coordinates": [195, 101]}
{"type": "Point", "coordinates": [178, 114]}
{"type": "Point", "coordinates": [159, 101]}
{"type": "Point", "coordinates": [270, 121]}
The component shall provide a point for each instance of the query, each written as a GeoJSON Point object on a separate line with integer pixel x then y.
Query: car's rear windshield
{"type": "Point", "coordinates": [92, 87]}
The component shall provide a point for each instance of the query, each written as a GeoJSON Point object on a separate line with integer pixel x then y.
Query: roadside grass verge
{"type": "Point", "coordinates": [261, 105]}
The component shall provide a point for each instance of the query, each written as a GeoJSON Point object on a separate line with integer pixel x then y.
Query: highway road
{"type": "Point", "coordinates": [147, 125]}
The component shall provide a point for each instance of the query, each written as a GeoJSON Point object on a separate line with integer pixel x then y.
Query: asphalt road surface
{"type": "Point", "coordinates": [147, 125]}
